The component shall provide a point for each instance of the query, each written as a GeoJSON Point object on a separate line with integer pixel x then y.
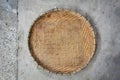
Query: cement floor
{"type": "Point", "coordinates": [16, 18]}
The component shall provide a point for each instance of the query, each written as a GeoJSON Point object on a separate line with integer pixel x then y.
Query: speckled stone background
{"type": "Point", "coordinates": [8, 39]}
{"type": "Point", "coordinates": [16, 63]}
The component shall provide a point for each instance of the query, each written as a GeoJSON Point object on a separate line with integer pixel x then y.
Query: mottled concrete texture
{"type": "Point", "coordinates": [8, 39]}
{"type": "Point", "coordinates": [104, 16]}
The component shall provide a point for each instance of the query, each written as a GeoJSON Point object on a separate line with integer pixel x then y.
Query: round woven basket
{"type": "Point", "coordinates": [62, 41]}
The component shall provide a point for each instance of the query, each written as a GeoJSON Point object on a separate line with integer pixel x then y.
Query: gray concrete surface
{"type": "Point", "coordinates": [104, 15]}
{"type": "Point", "coordinates": [8, 39]}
